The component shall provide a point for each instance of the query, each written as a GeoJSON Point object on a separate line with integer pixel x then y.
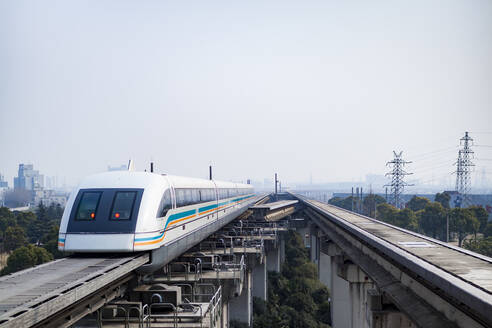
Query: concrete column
{"type": "Point", "coordinates": [391, 320]}
{"type": "Point", "coordinates": [273, 259]}
{"type": "Point", "coordinates": [260, 279]}
{"type": "Point", "coordinates": [359, 284]}
{"type": "Point", "coordinates": [225, 314]}
{"type": "Point", "coordinates": [305, 234]}
{"type": "Point", "coordinates": [282, 251]}
{"type": "Point", "coordinates": [241, 307]}
{"type": "Point", "coordinates": [340, 297]}
{"type": "Point", "coordinates": [314, 251]}
{"type": "Point", "coordinates": [324, 269]}
{"type": "Point", "coordinates": [381, 315]}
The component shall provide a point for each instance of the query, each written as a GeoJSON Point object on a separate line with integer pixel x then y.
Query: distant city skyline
{"type": "Point", "coordinates": [374, 182]}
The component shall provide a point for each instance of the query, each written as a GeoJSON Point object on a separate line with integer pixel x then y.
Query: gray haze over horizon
{"type": "Point", "coordinates": [321, 88]}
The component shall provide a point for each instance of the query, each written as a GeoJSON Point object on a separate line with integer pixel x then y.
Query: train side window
{"type": "Point", "coordinates": [165, 204]}
{"type": "Point", "coordinates": [189, 197]}
{"type": "Point", "coordinates": [88, 204]}
{"type": "Point", "coordinates": [196, 196]}
{"type": "Point", "coordinates": [123, 205]}
{"type": "Point", "coordinates": [180, 197]}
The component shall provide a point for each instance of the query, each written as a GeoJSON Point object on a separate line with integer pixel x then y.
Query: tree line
{"type": "Point", "coordinates": [296, 298]}
{"type": "Point", "coordinates": [431, 219]}
{"type": "Point", "coordinates": [29, 238]}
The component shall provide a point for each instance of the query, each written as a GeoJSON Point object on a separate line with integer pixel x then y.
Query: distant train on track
{"type": "Point", "coordinates": [127, 211]}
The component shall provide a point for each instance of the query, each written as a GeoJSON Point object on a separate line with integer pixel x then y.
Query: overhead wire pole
{"type": "Point", "coordinates": [397, 174]}
{"type": "Point", "coordinates": [464, 166]}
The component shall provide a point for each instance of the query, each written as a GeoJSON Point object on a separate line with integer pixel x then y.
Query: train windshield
{"type": "Point", "coordinates": [123, 205]}
{"type": "Point", "coordinates": [88, 206]}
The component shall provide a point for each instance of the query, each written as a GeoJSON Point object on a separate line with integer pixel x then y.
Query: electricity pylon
{"type": "Point", "coordinates": [397, 175]}
{"type": "Point", "coordinates": [464, 166]}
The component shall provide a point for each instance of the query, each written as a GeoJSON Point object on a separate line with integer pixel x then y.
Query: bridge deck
{"type": "Point", "coordinates": [275, 205]}
{"type": "Point", "coordinates": [470, 267]}
{"type": "Point", "coordinates": [29, 296]}
{"type": "Point", "coordinates": [424, 265]}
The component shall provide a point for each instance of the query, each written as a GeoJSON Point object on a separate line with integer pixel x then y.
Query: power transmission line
{"type": "Point", "coordinates": [397, 175]}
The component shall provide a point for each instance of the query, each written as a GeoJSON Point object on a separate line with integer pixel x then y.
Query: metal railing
{"type": "Point", "coordinates": [216, 307]}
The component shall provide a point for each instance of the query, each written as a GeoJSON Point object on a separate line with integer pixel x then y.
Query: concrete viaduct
{"type": "Point", "coordinates": [379, 276]}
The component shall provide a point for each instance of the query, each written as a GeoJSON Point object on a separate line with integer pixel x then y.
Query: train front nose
{"type": "Point", "coordinates": [102, 220]}
{"type": "Point", "coordinates": [99, 243]}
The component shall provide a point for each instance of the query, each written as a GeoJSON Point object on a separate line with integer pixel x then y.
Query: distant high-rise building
{"type": "Point", "coordinates": [51, 182]}
{"type": "Point", "coordinates": [28, 178]}
{"type": "Point", "coordinates": [3, 183]}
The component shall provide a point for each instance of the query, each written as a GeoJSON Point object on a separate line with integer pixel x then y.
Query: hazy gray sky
{"type": "Point", "coordinates": [253, 87]}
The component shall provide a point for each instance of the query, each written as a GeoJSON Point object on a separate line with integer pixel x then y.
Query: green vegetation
{"type": "Point", "coordinates": [443, 198]}
{"type": "Point", "coordinates": [418, 203]}
{"type": "Point", "coordinates": [296, 298]}
{"type": "Point", "coordinates": [26, 257]}
{"type": "Point", "coordinates": [430, 218]}
{"type": "Point", "coordinates": [369, 203]}
{"type": "Point", "coordinates": [30, 238]}
{"type": "Point", "coordinates": [482, 246]}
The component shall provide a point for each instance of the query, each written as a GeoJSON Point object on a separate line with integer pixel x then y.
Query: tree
{"type": "Point", "coordinates": [28, 221]}
{"type": "Point", "coordinates": [488, 230]}
{"type": "Point", "coordinates": [473, 223]}
{"type": "Point", "coordinates": [433, 219]}
{"type": "Point", "coordinates": [25, 219]}
{"type": "Point", "coordinates": [26, 257]}
{"type": "Point", "coordinates": [50, 242]}
{"type": "Point", "coordinates": [407, 219]}
{"type": "Point", "coordinates": [443, 198]}
{"type": "Point", "coordinates": [462, 222]}
{"type": "Point", "coordinates": [482, 246]}
{"type": "Point", "coordinates": [14, 238]}
{"type": "Point", "coordinates": [345, 203]}
{"type": "Point", "coordinates": [387, 213]}
{"type": "Point", "coordinates": [295, 297]}
{"type": "Point", "coordinates": [370, 203]}
{"type": "Point", "coordinates": [5, 213]}
{"type": "Point", "coordinates": [6, 220]}
{"type": "Point", "coordinates": [42, 212]}
{"type": "Point", "coordinates": [417, 203]}
{"type": "Point", "coordinates": [482, 216]}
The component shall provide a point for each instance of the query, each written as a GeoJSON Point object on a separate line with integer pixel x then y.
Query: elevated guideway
{"type": "Point", "coordinates": [433, 283]}
{"type": "Point", "coordinates": [30, 296]}
{"type": "Point", "coordinates": [59, 293]}
{"type": "Point", "coordinates": [274, 211]}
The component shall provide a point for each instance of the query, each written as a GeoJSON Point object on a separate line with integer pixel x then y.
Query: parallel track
{"type": "Point", "coordinates": [461, 277]}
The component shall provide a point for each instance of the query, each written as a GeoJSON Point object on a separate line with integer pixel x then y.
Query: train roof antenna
{"type": "Point", "coordinates": [131, 165]}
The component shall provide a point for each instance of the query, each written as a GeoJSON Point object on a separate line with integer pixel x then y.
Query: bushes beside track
{"type": "Point", "coordinates": [29, 238]}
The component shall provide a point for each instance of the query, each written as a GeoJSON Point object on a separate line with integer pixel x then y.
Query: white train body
{"type": "Point", "coordinates": [128, 211]}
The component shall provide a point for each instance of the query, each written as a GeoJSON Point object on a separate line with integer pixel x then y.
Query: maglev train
{"type": "Point", "coordinates": [128, 211]}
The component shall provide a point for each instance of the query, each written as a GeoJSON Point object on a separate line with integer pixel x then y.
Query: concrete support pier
{"type": "Point", "coordinates": [241, 307]}
{"type": "Point", "coordinates": [225, 315]}
{"type": "Point", "coordinates": [260, 283]}
{"type": "Point", "coordinates": [340, 297]}
{"type": "Point", "coordinates": [273, 259]}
